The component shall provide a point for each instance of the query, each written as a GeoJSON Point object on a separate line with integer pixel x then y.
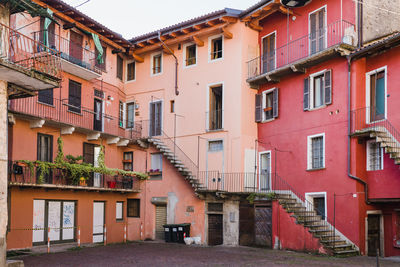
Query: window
{"type": "Point", "coordinates": [128, 161]}
{"type": "Point", "coordinates": [214, 146]}
{"type": "Point", "coordinates": [216, 48]}
{"type": "Point", "coordinates": [318, 90]}
{"type": "Point", "coordinates": [120, 67]}
{"type": "Point", "coordinates": [374, 156]}
{"type": "Point", "coordinates": [215, 110]}
{"type": "Point", "coordinates": [377, 95]}
{"type": "Point", "coordinates": [131, 71]}
{"type": "Point", "coordinates": [130, 120]}
{"type": "Point", "coordinates": [215, 207]}
{"type": "Point", "coordinates": [156, 163]}
{"type": "Point", "coordinates": [172, 106]}
{"type": "Point", "coordinates": [45, 147]}
{"type": "Point", "coordinates": [121, 114]}
{"type": "Point", "coordinates": [156, 64]}
{"type": "Point", "coordinates": [316, 152]}
{"type": "Point", "coordinates": [46, 96]}
{"type": "Point", "coordinates": [268, 56]}
{"type": "Point", "coordinates": [317, 31]}
{"type": "Point", "coordinates": [103, 65]}
{"type": "Point", "coordinates": [267, 105]}
{"type": "Point", "coordinates": [119, 211]}
{"type": "Point", "coordinates": [155, 118]}
{"type": "Point", "coordinates": [190, 57]}
{"type": "Point", "coordinates": [133, 208]}
{"type": "Point", "coordinates": [74, 96]}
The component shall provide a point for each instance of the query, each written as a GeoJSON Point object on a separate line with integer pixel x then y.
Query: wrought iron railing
{"type": "Point", "coordinates": [73, 52]}
{"type": "Point", "coordinates": [27, 53]}
{"type": "Point", "coordinates": [21, 174]}
{"type": "Point", "coordinates": [214, 120]}
{"type": "Point", "coordinates": [303, 47]}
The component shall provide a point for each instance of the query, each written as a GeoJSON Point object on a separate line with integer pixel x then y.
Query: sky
{"type": "Point", "coordinates": [135, 17]}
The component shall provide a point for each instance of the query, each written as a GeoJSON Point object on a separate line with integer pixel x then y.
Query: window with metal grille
{"type": "Point", "coordinates": [214, 146]}
{"type": "Point", "coordinates": [316, 152]}
{"type": "Point", "coordinates": [156, 68]}
{"type": "Point", "coordinates": [133, 208]}
{"type": "Point", "coordinates": [216, 48]}
{"type": "Point", "coordinates": [374, 156]}
{"type": "Point", "coordinates": [215, 207]}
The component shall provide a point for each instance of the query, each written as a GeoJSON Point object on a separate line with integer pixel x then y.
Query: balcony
{"type": "Point", "coordinates": [59, 113]}
{"type": "Point", "coordinates": [75, 58]}
{"type": "Point", "coordinates": [214, 120]}
{"type": "Point", "coordinates": [307, 51]}
{"type": "Point", "coordinates": [22, 175]}
{"type": "Point", "coordinates": [27, 63]}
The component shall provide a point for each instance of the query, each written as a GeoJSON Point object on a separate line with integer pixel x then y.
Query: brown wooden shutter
{"type": "Point", "coordinates": [275, 103]}
{"type": "Point", "coordinates": [306, 97]}
{"type": "Point", "coordinates": [258, 114]}
{"type": "Point", "coordinates": [328, 87]}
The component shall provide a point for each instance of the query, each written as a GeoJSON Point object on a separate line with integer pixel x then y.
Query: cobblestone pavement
{"type": "Point", "coordinates": [165, 254]}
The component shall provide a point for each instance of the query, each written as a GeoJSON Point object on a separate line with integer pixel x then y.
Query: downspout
{"type": "Point", "coordinates": [176, 63]}
{"type": "Point", "coordinates": [360, 11]}
{"type": "Point", "coordinates": [349, 136]}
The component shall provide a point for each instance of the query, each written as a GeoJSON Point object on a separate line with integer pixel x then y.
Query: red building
{"type": "Point", "coordinates": [345, 196]}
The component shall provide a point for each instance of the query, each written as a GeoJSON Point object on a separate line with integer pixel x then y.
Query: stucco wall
{"type": "Point", "coordinates": [231, 223]}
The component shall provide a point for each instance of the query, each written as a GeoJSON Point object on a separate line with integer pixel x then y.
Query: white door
{"type": "Point", "coordinates": [96, 176]}
{"type": "Point", "coordinates": [68, 220]}
{"type": "Point", "coordinates": [98, 222]}
{"type": "Point", "coordinates": [38, 221]}
{"type": "Point", "coordinates": [54, 219]}
{"type": "Point", "coordinates": [265, 171]}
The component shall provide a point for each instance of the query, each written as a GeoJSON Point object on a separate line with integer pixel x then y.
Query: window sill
{"type": "Point", "coordinates": [215, 130]}
{"type": "Point", "coordinates": [46, 104]}
{"type": "Point", "coordinates": [316, 169]}
{"type": "Point", "coordinates": [318, 108]}
{"type": "Point", "coordinates": [130, 81]}
{"type": "Point", "coordinates": [189, 66]}
{"type": "Point", "coordinates": [74, 112]}
{"type": "Point", "coordinates": [215, 60]}
{"type": "Point", "coordinates": [269, 120]}
{"type": "Point", "coordinates": [375, 170]}
{"type": "Point", "coordinates": [155, 74]}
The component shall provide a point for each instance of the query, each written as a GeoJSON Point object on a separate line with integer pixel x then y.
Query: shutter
{"type": "Point", "coordinates": [275, 104]}
{"type": "Point", "coordinates": [161, 219]}
{"type": "Point", "coordinates": [258, 111]}
{"type": "Point", "coordinates": [328, 87]}
{"type": "Point", "coordinates": [306, 98]}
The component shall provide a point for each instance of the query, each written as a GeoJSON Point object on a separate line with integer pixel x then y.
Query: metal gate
{"type": "Point", "coordinates": [263, 226]}
{"type": "Point", "coordinates": [215, 229]}
{"type": "Point", "coordinates": [161, 219]}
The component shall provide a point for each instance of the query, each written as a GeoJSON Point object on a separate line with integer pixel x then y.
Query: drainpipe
{"type": "Point", "coordinates": [176, 63]}
{"type": "Point", "coordinates": [360, 11]}
{"type": "Point", "coordinates": [349, 137]}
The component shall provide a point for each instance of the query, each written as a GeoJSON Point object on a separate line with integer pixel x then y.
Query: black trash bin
{"type": "Point", "coordinates": [167, 233]}
{"type": "Point", "coordinates": [183, 231]}
{"type": "Point", "coordinates": [174, 233]}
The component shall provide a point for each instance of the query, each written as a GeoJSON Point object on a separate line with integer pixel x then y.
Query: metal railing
{"type": "Point", "coordinates": [69, 50]}
{"type": "Point", "coordinates": [303, 47]}
{"type": "Point", "coordinates": [20, 173]}
{"type": "Point", "coordinates": [214, 120]}
{"type": "Point", "coordinates": [373, 119]}
{"type": "Point", "coordinates": [29, 54]}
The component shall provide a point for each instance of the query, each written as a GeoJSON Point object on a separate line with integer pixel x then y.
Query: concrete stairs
{"type": "Point", "coordinates": [318, 227]}
{"type": "Point", "coordinates": [189, 174]}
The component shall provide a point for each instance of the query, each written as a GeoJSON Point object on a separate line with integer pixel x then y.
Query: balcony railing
{"type": "Point", "coordinates": [69, 50]}
{"type": "Point", "coordinates": [214, 120]}
{"type": "Point", "coordinates": [59, 110]}
{"type": "Point", "coordinates": [29, 54]}
{"type": "Point", "coordinates": [304, 47]}
{"type": "Point", "coordinates": [22, 174]}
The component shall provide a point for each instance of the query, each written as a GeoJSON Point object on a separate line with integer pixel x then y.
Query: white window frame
{"type": "Point", "coordinates": [309, 151]}
{"type": "Point", "coordinates": [161, 161]}
{"type": "Point", "coordinates": [215, 140]}
{"type": "Point", "coordinates": [311, 80]}
{"type": "Point", "coordinates": [126, 113]}
{"type": "Point", "coordinates": [123, 114]}
{"type": "Point", "coordinates": [208, 103]}
{"type": "Point", "coordinates": [162, 112]}
{"type": "Point", "coordinates": [184, 55]}
{"type": "Point", "coordinates": [210, 47]}
{"type": "Point", "coordinates": [263, 105]}
{"type": "Point", "coordinates": [369, 155]}
{"type": "Point", "coordinates": [262, 45]}
{"type": "Point", "coordinates": [126, 72]}
{"type": "Point", "coordinates": [310, 197]}
{"type": "Point", "coordinates": [259, 167]}
{"type": "Point", "coordinates": [368, 91]}
{"type": "Point", "coordinates": [152, 62]}
{"type": "Point", "coordinates": [326, 26]}
{"type": "Point", "coordinates": [122, 210]}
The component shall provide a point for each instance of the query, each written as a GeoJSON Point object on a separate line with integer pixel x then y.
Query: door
{"type": "Point", "coordinates": [265, 171]}
{"type": "Point", "coordinates": [215, 229]}
{"type": "Point", "coordinates": [98, 222]}
{"type": "Point", "coordinates": [377, 97]}
{"type": "Point", "coordinates": [215, 109]}
{"type": "Point", "coordinates": [96, 175]}
{"type": "Point", "coordinates": [74, 96]}
{"type": "Point", "coordinates": [45, 153]}
{"type": "Point", "coordinates": [246, 224]}
{"type": "Point", "coordinates": [155, 118]}
{"type": "Point", "coordinates": [268, 58]}
{"type": "Point", "coordinates": [75, 47]}
{"type": "Point", "coordinates": [161, 220]}
{"type": "Point", "coordinates": [319, 206]}
{"type": "Point", "coordinates": [98, 115]}
{"type": "Point", "coordinates": [263, 226]}
{"type": "Point", "coordinates": [317, 31]}
{"type": "Point", "coordinates": [374, 234]}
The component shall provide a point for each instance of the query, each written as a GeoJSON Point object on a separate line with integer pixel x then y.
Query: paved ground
{"type": "Point", "coordinates": [162, 254]}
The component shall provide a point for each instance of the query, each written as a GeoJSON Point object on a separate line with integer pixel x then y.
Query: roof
{"type": "Point", "coordinates": [254, 7]}
{"type": "Point", "coordinates": [381, 44]}
{"type": "Point", "coordinates": [201, 19]}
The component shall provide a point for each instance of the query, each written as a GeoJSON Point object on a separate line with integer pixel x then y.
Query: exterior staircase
{"type": "Point", "coordinates": [305, 214]}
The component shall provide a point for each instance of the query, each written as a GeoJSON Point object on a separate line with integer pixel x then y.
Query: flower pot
{"type": "Point", "coordinates": [82, 183]}
{"type": "Point", "coordinates": [111, 184]}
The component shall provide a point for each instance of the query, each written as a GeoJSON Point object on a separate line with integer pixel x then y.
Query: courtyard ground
{"type": "Point", "coordinates": [168, 254]}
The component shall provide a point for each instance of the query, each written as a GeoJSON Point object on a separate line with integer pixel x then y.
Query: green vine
{"type": "Point", "coordinates": [73, 167]}
{"type": "Point", "coordinates": [253, 196]}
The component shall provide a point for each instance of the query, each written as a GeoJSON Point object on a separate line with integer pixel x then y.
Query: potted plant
{"type": "Point", "coordinates": [82, 181]}
{"type": "Point", "coordinates": [154, 172]}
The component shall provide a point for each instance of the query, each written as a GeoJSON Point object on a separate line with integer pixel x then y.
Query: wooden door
{"type": "Point", "coordinates": [98, 115]}
{"type": "Point", "coordinates": [373, 234]}
{"type": "Point", "coordinates": [246, 224]}
{"type": "Point", "coordinates": [268, 57]}
{"type": "Point", "coordinates": [215, 229]}
{"type": "Point", "coordinates": [263, 226]}
{"type": "Point", "coordinates": [75, 46]}
{"type": "Point", "coordinates": [317, 31]}
{"type": "Point", "coordinates": [98, 222]}
{"type": "Point", "coordinates": [161, 220]}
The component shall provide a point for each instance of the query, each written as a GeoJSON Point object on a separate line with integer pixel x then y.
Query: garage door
{"type": "Point", "coordinates": [161, 219]}
{"type": "Point", "coordinates": [215, 229]}
{"type": "Point", "coordinates": [263, 226]}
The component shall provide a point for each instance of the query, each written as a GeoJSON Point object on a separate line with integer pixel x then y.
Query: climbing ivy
{"type": "Point", "coordinates": [253, 196]}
